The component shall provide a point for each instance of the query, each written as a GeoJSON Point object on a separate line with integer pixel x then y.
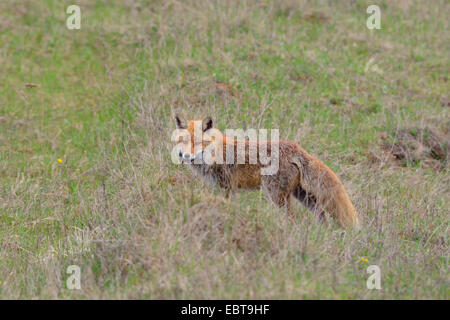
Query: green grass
{"type": "Point", "coordinates": [140, 226]}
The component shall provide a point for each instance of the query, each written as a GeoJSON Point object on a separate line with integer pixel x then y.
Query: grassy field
{"type": "Point", "coordinates": [372, 104]}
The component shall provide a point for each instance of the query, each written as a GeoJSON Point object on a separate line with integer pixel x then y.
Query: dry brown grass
{"type": "Point", "coordinates": [140, 226]}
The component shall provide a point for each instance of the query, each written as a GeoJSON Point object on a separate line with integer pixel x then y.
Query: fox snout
{"type": "Point", "coordinates": [189, 158]}
{"type": "Point", "coordinates": [186, 157]}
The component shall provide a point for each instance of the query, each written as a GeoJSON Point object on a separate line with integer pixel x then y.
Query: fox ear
{"type": "Point", "coordinates": [181, 123]}
{"type": "Point", "coordinates": [207, 124]}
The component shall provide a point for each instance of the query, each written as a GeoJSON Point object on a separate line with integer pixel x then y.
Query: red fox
{"type": "Point", "coordinates": [299, 174]}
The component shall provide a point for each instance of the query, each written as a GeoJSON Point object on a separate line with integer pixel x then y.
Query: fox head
{"type": "Point", "coordinates": [194, 138]}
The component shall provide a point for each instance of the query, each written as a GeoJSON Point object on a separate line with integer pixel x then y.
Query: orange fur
{"type": "Point", "coordinates": [300, 174]}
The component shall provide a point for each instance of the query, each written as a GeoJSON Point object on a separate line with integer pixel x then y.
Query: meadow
{"type": "Point", "coordinates": [86, 176]}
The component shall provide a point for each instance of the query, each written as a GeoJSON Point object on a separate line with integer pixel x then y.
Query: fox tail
{"type": "Point", "coordinates": [327, 190]}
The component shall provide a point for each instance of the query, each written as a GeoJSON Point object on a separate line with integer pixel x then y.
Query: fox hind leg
{"type": "Point", "coordinates": [310, 202]}
{"type": "Point", "coordinates": [280, 197]}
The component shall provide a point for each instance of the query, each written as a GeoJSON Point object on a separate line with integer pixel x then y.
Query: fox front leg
{"type": "Point", "coordinates": [227, 192]}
